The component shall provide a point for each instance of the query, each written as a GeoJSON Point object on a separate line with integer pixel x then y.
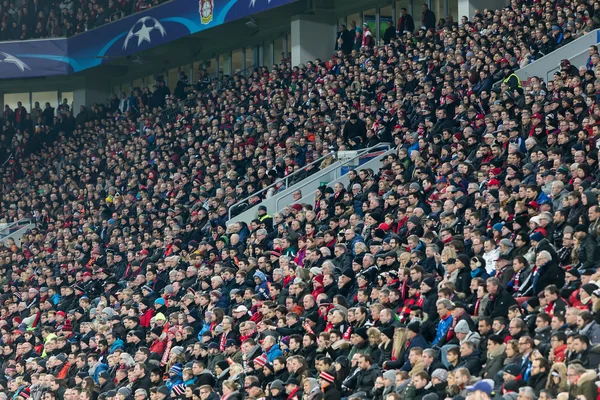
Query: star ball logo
{"type": "Point", "coordinates": [142, 29]}
{"type": "Point", "coordinates": [206, 8]}
{"type": "Point", "coordinates": [10, 59]}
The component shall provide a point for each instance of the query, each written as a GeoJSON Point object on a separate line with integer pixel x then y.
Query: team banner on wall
{"type": "Point", "coordinates": [138, 32]}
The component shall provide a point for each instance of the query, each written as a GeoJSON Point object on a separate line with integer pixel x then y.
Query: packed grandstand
{"type": "Point", "coordinates": [465, 268]}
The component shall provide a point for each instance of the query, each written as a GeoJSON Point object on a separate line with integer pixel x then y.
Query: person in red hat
{"type": "Point", "coordinates": [327, 382]}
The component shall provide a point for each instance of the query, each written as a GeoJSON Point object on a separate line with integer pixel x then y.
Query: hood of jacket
{"type": "Point", "coordinates": [587, 376]}
{"type": "Point", "coordinates": [497, 352]}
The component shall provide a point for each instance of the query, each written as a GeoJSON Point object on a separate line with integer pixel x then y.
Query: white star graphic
{"type": "Point", "coordinates": [144, 34]}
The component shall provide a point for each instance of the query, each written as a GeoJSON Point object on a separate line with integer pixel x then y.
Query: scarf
{"type": "Point", "coordinates": [165, 356]}
{"type": "Point", "coordinates": [474, 273]}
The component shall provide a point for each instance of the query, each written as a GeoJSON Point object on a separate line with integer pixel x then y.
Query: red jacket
{"type": "Point", "coordinates": [146, 318]}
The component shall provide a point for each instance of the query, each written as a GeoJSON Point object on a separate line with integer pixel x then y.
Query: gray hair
{"type": "Point", "coordinates": [545, 254]}
{"type": "Point", "coordinates": [284, 258]}
{"type": "Point", "coordinates": [446, 303]}
{"type": "Point", "coordinates": [527, 391]}
{"type": "Point", "coordinates": [430, 352]}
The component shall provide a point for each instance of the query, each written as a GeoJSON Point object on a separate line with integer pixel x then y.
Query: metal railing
{"type": "Point", "coordinates": [240, 213]}
{"type": "Point", "coordinates": [337, 171]}
{"type": "Point", "coordinates": [286, 178]}
{"type": "Point", "coordinates": [374, 164]}
{"type": "Point", "coordinates": [16, 230]}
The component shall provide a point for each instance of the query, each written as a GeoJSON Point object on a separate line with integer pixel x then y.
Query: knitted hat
{"type": "Point", "coordinates": [362, 332]}
{"type": "Point", "coordinates": [414, 326]}
{"type": "Point", "coordinates": [462, 327]}
{"type": "Point", "coordinates": [326, 377]}
{"type": "Point", "coordinates": [176, 369]}
{"type": "Point", "coordinates": [537, 236]}
{"type": "Point", "coordinates": [278, 384]}
{"type": "Point", "coordinates": [390, 375]}
{"type": "Point", "coordinates": [430, 282]}
{"type": "Point", "coordinates": [589, 288]}
{"type": "Point", "coordinates": [464, 259]}
{"type": "Point", "coordinates": [223, 365]}
{"type": "Point", "coordinates": [125, 391]}
{"type": "Point", "coordinates": [387, 331]}
{"type": "Point", "coordinates": [163, 390]}
{"type": "Point", "coordinates": [178, 390]}
{"type": "Point", "coordinates": [441, 374]}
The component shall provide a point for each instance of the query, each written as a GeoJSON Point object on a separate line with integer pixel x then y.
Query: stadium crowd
{"type": "Point", "coordinates": [35, 19]}
{"type": "Point", "coordinates": [466, 267]}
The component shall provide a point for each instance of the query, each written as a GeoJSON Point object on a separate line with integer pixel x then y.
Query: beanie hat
{"type": "Point", "coordinates": [589, 288]}
{"type": "Point", "coordinates": [414, 326]}
{"type": "Point", "coordinates": [326, 377]}
{"type": "Point", "coordinates": [391, 375]}
{"type": "Point", "coordinates": [285, 340]}
{"type": "Point", "coordinates": [223, 365]}
{"type": "Point", "coordinates": [462, 327]}
{"type": "Point", "coordinates": [464, 259]}
{"type": "Point", "coordinates": [178, 390]}
{"type": "Point", "coordinates": [537, 236]}
{"type": "Point", "coordinates": [430, 282]}
{"type": "Point", "coordinates": [387, 331]}
{"type": "Point", "coordinates": [278, 384]}
{"type": "Point", "coordinates": [176, 369]}
{"type": "Point", "coordinates": [441, 374]}
{"type": "Point", "coordinates": [261, 360]}
{"type": "Point", "coordinates": [362, 332]}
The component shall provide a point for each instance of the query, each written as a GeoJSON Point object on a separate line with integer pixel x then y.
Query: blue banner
{"type": "Point", "coordinates": [142, 31]}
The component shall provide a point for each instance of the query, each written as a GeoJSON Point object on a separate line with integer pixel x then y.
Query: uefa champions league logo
{"type": "Point", "coordinates": [10, 59]}
{"type": "Point", "coordinates": [142, 30]}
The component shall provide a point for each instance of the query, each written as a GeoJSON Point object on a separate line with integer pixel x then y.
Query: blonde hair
{"type": "Point", "coordinates": [235, 369]}
{"type": "Point", "coordinates": [399, 342]}
{"type": "Point", "coordinates": [448, 252]}
{"type": "Point", "coordinates": [231, 385]}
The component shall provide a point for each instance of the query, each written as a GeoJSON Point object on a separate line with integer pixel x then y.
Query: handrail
{"type": "Point", "coordinates": [350, 160]}
{"type": "Point", "coordinates": [310, 197]}
{"type": "Point", "coordinates": [243, 71]}
{"type": "Point", "coordinates": [337, 164]}
{"type": "Point", "coordinates": [319, 160]}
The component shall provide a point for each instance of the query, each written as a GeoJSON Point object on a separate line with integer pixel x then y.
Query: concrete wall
{"type": "Point", "coordinates": [311, 39]}
{"type": "Point", "coordinates": [468, 7]}
{"type": "Point", "coordinates": [90, 93]}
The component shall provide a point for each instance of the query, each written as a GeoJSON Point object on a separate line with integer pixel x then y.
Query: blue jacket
{"type": "Point", "coordinates": [118, 344]}
{"type": "Point", "coordinates": [273, 353]}
{"type": "Point", "coordinates": [262, 289]}
{"type": "Point", "coordinates": [442, 330]}
{"type": "Point", "coordinates": [101, 367]}
{"type": "Point", "coordinates": [417, 341]}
